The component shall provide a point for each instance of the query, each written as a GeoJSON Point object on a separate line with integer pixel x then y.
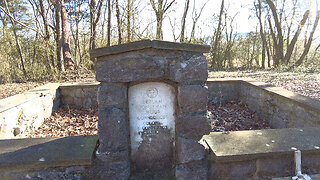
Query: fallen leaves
{"type": "Point", "coordinates": [234, 116]}
{"type": "Point", "coordinates": [69, 122]}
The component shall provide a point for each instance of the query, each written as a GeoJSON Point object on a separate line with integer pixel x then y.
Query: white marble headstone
{"type": "Point", "coordinates": [149, 103]}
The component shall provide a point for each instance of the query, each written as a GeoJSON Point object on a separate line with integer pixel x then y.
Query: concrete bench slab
{"type": "Point", "coordinates": [247, 145]}
{"type": "Point", "coordinates": [39, 153]}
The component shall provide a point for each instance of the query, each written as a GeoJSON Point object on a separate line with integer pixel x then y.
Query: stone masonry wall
{"type": "Point", "coordinates": [23, 113]}
{"type": "Point", "coordinates": [186, 72]}
{"type": "Point", "coordinates": [281, 108]}
{"type": "Point", "coordinates": [79, 95]}
{"type": "Point", "coordinates": [221, 91]}
{"type": "Point", "coordinates": [263, 168]}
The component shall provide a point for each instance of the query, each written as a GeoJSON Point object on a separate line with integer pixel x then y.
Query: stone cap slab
{"type": "Point", "coordinates": [248, 145]}
{"type": "Point", "coordinates": [145, 44]}
{"type": "Point", "coordinates": [79, 84]}
{"type": "Point", "coordinates": [39, 153]}
{"type": "Point", "coordinates": [18, 99]}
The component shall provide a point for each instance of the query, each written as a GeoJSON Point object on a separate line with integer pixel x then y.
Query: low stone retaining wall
{"type": "Point", "coordinates": [23, 113]}
{"type": "Point", "coordinates": [79, 95]}
{"type": "Point", "coordinates": [281, 108]}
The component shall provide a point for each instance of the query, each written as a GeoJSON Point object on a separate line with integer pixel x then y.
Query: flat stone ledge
{"type": "Point", "coordinates": [145, 44]}
{"type": "Point", "coordinates": [40, 153]}
{"type": "Point", "coordinates": [79, 84]}
{"type": "Point", "coordinates": [18, 99]}
{"type": "Point", "coordinates": [247, 145]}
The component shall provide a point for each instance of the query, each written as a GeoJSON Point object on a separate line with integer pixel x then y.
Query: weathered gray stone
{"type": "Point", "coordinates": [113, 130]}
{"type": "Point", "coordinates": [155, 152]}
{"type": "Point", "coordinates": [222, 92]}
{"type": "Point", "coordinates": [274, 166]}
{"type": "Point", "coordinates": [111, 171]}
{"type": "Point", "coordinates": [232, 171]}
{"type": "Point", "coordinates": [149, 44]}
{"type": "Point", "coordinates": [237, 145]}
{"type": "Point", "coordinates": [196, 170]}
{"type": "Point", "coordinates": [107, 157]}
{"type": "Point", "coordinates": [193, 127]}
{"type": "Point", "coordinates": [192, 98]}
{"type": "Point", "coordinates": [41, 153]}
{"type": "Point", "coordinates": [193, 69]}
{"type": "Point", "coordinates": [129, 68]}
{"type": "Point", "coordinates": [112, 95]}
{"type": "Point", "coordinates": [311, 162]}
{"type": "Point", "coordinates": [189, 150]}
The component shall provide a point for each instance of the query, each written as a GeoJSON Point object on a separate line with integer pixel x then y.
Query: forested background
{"type": "Point", "coordinates": [46, 39]}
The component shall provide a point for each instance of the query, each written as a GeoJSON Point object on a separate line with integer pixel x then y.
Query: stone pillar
{"type": "Point", "coordinates": [153, 92]}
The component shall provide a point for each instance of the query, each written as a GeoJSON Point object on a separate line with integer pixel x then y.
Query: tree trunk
{"type": "Point", "coordinates": [16, 38]}
{"type": "Point", "coordinates": [160, 10]}
{"type": "Point", "coordinates": [279, 40]}
{"type": "Point", "coordinates": [295, 37]}
{"type": "Point", "coordinates": [19, 49]}
{"type": "Point", "coordinates": [118, 22]}
{"type": "Point", "coordinates": [109, 23]}
{"type": "Point", "coordinates": [129, 20]}
{"type": "Point", "coordinates": [183, 21]}
{"type": "Point", "coordinates": [218, 35]}
{"type": "Point", "coordinates": [93, 24]}
{"type": "Point", "coordinates": [263, 37]}
{"type": "Point", "coordinates": [65, 37]}
{"type": "Point", "coordinates": [59, 35]}
{"type": "Point", "coordinates": [307, 47]}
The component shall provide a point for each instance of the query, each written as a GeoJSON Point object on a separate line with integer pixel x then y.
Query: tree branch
{"type": "Point", "coordinates": [22, 24]}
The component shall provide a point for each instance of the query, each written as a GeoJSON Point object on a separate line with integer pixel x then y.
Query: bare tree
{"type": "Point", "coordinates": [65, 38]}
{"type": "Point", "coordinates": [195, 18]}
{"type": "Point", "coordinates": [308, 44]}
{"type": "Point", "coordinates": [109, 23]}
{"type": "Point", "coordinates": [11, 17]}
{"type": "Point", "coordinates": [264, 48]}
{"type": "Point", "coordinates": [58, 36]}
{"type": "Point", "coordinates": [277, 39]}
{"type": "Point", "coordinates": [183, 20]}
{"type": "Point", "coordinates": [160, 9]}
{"type": "Point", "coordinates": [95, 12]}
{"type": "Point", "coordinates": [119, 22]}
{"type": "Point", "coordinates": [217, 37]}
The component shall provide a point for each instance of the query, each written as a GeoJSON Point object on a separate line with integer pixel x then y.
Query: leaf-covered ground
{"type": "Point", "coordinates": [69, 122]}
{"type": "Point", "coordinates": [234, 116]}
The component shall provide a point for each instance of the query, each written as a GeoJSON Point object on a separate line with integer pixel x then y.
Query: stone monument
{"type": "Point", "coordinates": [152, 111]}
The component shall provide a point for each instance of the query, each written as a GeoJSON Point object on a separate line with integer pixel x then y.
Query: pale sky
{"type": "Point", "coordinates": [245, 20]}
